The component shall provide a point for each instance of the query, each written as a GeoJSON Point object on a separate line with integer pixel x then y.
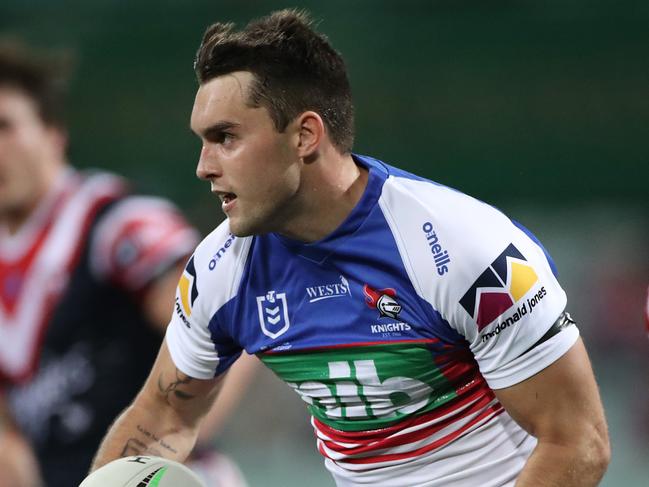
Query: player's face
{"type": "Point", "coordinates": [27, 146]}
{"type": "Point", "coordinates": [254, 169]}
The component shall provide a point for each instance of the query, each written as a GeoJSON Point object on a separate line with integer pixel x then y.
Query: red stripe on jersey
{"type": "Point", "coordinates": [478, 392]}
{"type": "Point", "coordinates": [82, 198]}
{"type": "Point", "coordinates": [151, 256]}
{"type": "Point", "coordinates": [460, 369]}
{"type": "Point", "coordinates": [137, 239]}
{"type": "Point", "coordinates": [12, 274]}
{"type": "Point", "coordinates": [489, 413]}
{"type": "Point", "coordinates": [52, 300]}
{"type": "Point", "coordinates": [17, 270]}
{"type": "Point", "coordinates": [392, 441]}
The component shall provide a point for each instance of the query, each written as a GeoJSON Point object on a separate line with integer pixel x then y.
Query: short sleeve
{"type": "Point", "coordinates": [137, 240]}
{"type": "Point", "coordinates": [188, 337]}
{"type": "Point", "coordinates": [197, 342]}
{"type": "Point", "coordinates": [488, 278]}
{"type": "Point", "coordinates": [511, 299]}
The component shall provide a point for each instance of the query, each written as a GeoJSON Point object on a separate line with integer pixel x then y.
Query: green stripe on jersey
{"type": "Point", "coordinates": [364, 387]}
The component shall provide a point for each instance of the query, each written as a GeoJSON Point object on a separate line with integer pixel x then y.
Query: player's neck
{"type": "Point", "coordinates": [14, 218]}
{"type": "Point", "coordinates": [331, 189]}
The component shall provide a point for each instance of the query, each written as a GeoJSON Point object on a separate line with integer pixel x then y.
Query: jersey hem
{"type": "Point", "coordinates": [172, 337]}
{"type": "Point", "coordinates": [538, 359]}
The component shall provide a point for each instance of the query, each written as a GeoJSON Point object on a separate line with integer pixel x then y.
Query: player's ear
{"type": "Point", "coordinates": [311, 131]}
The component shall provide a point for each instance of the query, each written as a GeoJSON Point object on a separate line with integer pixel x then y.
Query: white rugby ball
{"type": "Point", "coordinates": [142, 471]}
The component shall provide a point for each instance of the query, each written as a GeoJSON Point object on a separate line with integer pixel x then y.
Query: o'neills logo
{"type": "Point", "coordinates": [219, 253]}
{"type": "Point", "coordinates": [383, 300]}
{"type": "Point", "coordinates": [440, 256]}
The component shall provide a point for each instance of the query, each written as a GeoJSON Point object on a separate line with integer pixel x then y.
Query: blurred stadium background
{"type": "Point", "coordinates": [538, 107]}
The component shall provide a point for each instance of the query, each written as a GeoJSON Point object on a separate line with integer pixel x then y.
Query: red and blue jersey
{"type": "Point", "coordinates": [75, 344]}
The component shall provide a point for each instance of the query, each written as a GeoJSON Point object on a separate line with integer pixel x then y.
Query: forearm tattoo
{"type": "Point", "coordinates": [148, 442]}
{"type": "Point", "coordinates": [135, 446]}
{"type": "Point", "coordinates": [173, 388]}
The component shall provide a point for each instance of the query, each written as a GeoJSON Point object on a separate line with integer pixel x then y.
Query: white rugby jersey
{"type": "Point", "coordinates": [394, 329]}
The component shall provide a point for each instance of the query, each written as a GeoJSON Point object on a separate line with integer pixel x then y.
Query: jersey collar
{"type": "Point", "coordinates": [319, 251]}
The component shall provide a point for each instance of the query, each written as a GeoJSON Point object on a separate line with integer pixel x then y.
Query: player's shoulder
{"type": "Point", "coordinates": [134, 238]}
{"type": "Point", "coordinates": [404, 192]}
{"type": "Point", "coordinates": [214, 271]}
{"type": "Point", "coordinates": [422, 208]}
{"type": "Point", "coordinates": [125, 214]}
{"type": "Point", "coordinates": [450, 235]}
{"type": "Point", "coordinates": [126, 210]}
{"type": "Point", "coordinates": [129, 208]}
{"type": "Point", "coordinates": [99, 180]}
{"type": "Point", "coordinates": [426, 217]}
{"type": "Point", "coordinates": [121, 204]}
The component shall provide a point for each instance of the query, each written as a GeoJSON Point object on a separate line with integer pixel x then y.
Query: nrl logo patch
{"type": "Point", "coordinates": [273, 314]}
{"type": "Point", "coordinates": [383, 300]}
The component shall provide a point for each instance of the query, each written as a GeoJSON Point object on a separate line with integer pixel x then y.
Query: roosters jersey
{"type": "Point", "coordinates": [74, 345]}
{"type": "Point", "coordinates": [394, 329]}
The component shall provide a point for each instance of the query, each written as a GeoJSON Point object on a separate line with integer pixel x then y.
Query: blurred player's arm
{"type": "Point", "coordinates": [17, 462]}
{"type": "Point", "coordinates": [158, 297]}
{"type": "Point", "coordinates": [561, 407]}
{"type": "Point", "coordinates": [165, 417]}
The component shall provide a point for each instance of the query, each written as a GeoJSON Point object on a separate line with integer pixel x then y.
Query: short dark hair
{"type": "Point", "coordinates": [43, 77]}
{"type": "Point", "coordinates": [295, 68]}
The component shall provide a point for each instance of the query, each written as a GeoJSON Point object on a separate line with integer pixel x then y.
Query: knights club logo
{"type": "Point", "coordinates": [273, 314]}
{"type": "Point", "coordinates": [383, 300]}
{"type": "Point", "coordinates": [499, 287]}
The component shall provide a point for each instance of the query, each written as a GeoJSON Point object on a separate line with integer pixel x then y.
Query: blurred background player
{"type": "Point", "coordinates": [87, 278]}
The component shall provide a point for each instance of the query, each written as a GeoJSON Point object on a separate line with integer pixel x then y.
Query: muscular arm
{"type": "Point", "coordinates": [164, 418]}
{"type": "Point", "coordinates": [561, 407]}
{"type": "Point", "coordinates": [157, 305]}
{"type": "Point", "coordinates": [158, 299]}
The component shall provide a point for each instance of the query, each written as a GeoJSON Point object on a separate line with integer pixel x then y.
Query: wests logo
{"type": "Point", "coordinates": [383, 300]}
{"type": "Point", "coordinates": [328, 291]}
{"type": "Point", "coordinates": [502, 284]}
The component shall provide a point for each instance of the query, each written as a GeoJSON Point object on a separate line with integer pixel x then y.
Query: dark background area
{"type": "Point", "coordinates": [546, 101]}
